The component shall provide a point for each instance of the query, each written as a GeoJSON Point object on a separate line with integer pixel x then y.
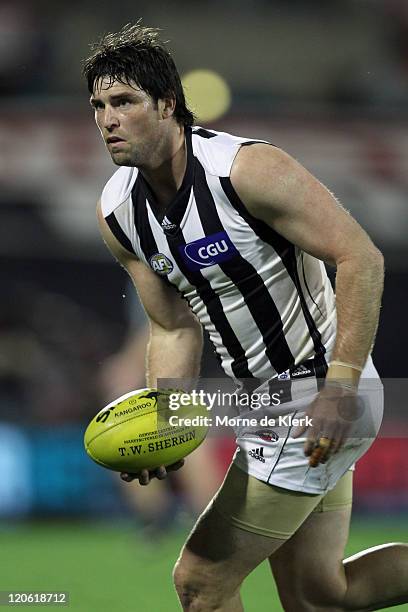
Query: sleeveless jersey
{"type": "Point", "coordinates": [266, 305]}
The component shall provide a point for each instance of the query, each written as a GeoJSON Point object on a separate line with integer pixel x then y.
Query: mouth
{"type": "Point", "coordinates": [114, 139]}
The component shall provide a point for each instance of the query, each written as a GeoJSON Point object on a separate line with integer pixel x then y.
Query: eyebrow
{"type": "Point", "coordinates": [126, 94]}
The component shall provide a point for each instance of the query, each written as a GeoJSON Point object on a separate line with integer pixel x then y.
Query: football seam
{"type": "Point", "coordinates": [98, 461]}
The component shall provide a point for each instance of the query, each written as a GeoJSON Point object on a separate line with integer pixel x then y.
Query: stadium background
{"type": "Point", "coordinates": [326, 81]}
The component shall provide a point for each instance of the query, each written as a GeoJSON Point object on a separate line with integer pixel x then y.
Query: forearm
{"type": "Point", "coordinates": [359, 287]}
{"type": "Point", "coordinates": [174, 354]}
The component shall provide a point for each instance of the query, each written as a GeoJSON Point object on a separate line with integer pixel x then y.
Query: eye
{"type": "Point", "coordinates": [123, 102]}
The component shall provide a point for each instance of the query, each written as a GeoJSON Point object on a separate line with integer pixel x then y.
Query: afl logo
{"type": "Point", "coordinates": [160, 264]}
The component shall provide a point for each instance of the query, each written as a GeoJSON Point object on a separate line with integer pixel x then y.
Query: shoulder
{"type": "Point", "coordinates": [264, 174]}
{"type": "Point", "coordinates": [262, 159]}
{"type": "Point", "coordinates": [117, 190]}
{"type": "Point", "coordinates": [216, 151]}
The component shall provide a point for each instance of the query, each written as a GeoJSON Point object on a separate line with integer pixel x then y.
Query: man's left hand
{"type": "Point", "coordinates": [332, 414]}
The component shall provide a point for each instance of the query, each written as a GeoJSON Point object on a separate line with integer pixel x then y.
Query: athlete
{"type": "Point", "coordinates": [230, 234]}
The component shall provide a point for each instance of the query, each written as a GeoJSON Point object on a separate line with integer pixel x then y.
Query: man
{"type": "Point", "coordinates": [239, 230]}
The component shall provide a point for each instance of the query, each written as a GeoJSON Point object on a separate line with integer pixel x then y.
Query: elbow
{"type": "Point", "coordinates": [364, 255]}
{"type": "Point", "coordinates": [375, 259]}
{"type": "Point", "coordinates": [182, 328]}
{"type": "Point", "coordinates": [188, 324]}
{"type": "Point", "coordinates": [372, 263]}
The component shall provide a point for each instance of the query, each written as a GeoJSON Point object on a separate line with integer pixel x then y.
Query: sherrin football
{"type": "Point", "coordinates": [133, 432]}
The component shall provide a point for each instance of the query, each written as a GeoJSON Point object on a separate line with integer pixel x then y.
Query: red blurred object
{"type": "Point", "coordinates": [384, 468]}
{"type": "Point", "coordinates": [225, 449]}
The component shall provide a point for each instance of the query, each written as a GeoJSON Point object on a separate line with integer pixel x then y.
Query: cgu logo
{"type": "Point", "coordinates": [208, 251]}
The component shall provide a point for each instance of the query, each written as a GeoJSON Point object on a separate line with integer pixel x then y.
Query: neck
{"type": "Point", "coordinates": [166, 176]}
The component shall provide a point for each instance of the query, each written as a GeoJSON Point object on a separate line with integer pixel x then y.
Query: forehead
{"type": "Point", "coordinates": [108, 87]}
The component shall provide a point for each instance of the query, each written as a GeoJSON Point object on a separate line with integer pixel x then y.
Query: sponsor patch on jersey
{"type": "Point", "coordinates": [161, 264]}
{"type": "Point", "coordinates": [267, 434]}
{"type": "Point", "coordinates": [208, 251]}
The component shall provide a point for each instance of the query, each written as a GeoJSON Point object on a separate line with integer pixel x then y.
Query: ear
{"type": "Point", "coordinates": [166, 107]}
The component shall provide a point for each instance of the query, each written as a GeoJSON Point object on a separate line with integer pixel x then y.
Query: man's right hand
{"type": "Point", "coordinates": [145, 476]}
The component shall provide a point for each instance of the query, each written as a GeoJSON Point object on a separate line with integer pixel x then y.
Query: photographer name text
{"type": "Point", "coordinates": [226, 421]}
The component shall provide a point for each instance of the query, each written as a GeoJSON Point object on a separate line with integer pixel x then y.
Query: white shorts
{"type": "Point", "coordinates": [270, 454]}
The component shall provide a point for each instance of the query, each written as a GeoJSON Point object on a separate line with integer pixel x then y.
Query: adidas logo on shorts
{"type": "Point", "coordinates": [257, 453]}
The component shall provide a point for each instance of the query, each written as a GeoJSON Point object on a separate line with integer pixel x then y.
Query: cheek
{"type": "Point", "coordinates": [149, 112]}
{"type": "Point", "coordinates": [144, 120]}
{"type": "Point", "coordinates": [98, 121]}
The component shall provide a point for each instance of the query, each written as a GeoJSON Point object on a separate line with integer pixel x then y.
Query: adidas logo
{"type": "Point", "coordinates": [167, 225]}
{"type": "Point", "coordinates": [257, 453]}
{"type": "Point", "coordinates": [301, 371]}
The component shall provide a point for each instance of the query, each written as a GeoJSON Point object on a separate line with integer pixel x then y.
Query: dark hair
{"type": "Point", "coordinates": [135, 54]}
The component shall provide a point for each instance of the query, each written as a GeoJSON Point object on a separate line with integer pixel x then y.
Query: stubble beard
{"type": "Point", "coordinates": [131, 159]}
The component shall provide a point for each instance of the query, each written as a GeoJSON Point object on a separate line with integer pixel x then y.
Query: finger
{"type": "Point", "coordinates": [334, 440]}
{"type": "Point", "coordinates": [175, 466]}
{"type": "Point", "coordinates": [312, 440]}
{"type": "Point", "coordinates": [327, 455]}
{"type": "Point", "coordinates": [316, 435]}
{"type": "Point", "coordinates": [338, 443]}
{"type": "Point", "coordinates": [299, 431]}
{"type": "Point", "coordinates": [324, 442]}
{"type": "Point", "coordinates": [309, 446]}
{"type": "Point", "coordinates": [160, 473]}
{"type": "Point", "coordinates": [327, 445]}
{"type": "Point", "coordinates": [317, 456]}
{"type": "Point", "coordinates": [144, 477]}
{"type": "Point", "coordinates": [128, 477]}
{"type": "Point", "coordinates": [313, 435]}
{"type": "Point", "coordinates": [321, 451]}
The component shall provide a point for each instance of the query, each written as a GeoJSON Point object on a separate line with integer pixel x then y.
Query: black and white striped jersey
{"type": "Point", "coordinates": [266, 305]}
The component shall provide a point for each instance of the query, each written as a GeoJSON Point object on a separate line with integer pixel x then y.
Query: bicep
{"type": "Point", "coordinates": [281, 192]}
{"type": "Point", "coordinates": [163, 304]}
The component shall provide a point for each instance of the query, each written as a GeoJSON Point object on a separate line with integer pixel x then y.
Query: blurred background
{"type": "Point", "coordinates": [327, 82]}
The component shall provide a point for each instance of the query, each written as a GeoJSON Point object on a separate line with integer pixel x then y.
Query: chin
{"type": "Point", "coordinates": [123, 163]}
{"type": "Point", "coordinates": [123, 159]}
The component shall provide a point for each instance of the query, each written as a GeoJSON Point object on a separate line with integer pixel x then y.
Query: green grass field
{"type": "Point", "coordinates": [112, 569]}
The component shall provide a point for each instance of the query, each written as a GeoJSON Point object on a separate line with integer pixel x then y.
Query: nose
{"type": "Point", "coordinates": [110, 119]}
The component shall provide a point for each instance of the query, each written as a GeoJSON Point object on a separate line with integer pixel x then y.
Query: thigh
{"type": "Point", "coordinates": [261, 508]}
{"type": "Point", "coordinates": [217, 553]}
{"type": "Point", "coordinates": [308, 568]}
{"type": "Point", "coordinates": [247, 521]}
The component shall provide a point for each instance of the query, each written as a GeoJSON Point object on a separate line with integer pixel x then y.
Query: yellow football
{"type": "Point", "coordinates": [134, 432]}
